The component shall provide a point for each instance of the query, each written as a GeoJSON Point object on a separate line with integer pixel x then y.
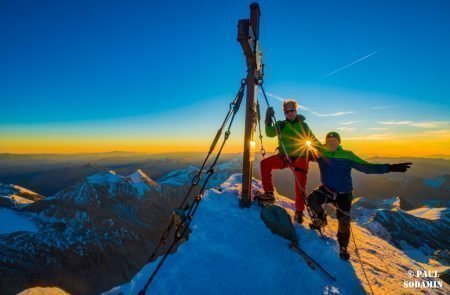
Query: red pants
{"type": "Point", "coordinates": [301, 169]}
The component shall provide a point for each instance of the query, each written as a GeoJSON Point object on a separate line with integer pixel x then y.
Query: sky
{"type": "Point", "coordinates": [158, 76]}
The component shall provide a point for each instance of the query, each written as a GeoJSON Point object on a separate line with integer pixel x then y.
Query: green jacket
{"type": "Point", "coordinates": [294, 135]}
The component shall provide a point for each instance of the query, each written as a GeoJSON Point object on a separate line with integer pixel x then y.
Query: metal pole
{"type": "Point", "coordinates": [248, 35]}
{"type": "Point", "coordinates": [249, 144]}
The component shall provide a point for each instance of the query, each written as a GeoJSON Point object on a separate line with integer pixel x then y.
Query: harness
{"type": "Point", "coordinates": [332, 195]}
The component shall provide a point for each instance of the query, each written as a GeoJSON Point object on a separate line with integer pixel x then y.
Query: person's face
{"type": "Point", "coordinates": [332, 144]}
{"type": "Point", "coordinates": [290, 113]}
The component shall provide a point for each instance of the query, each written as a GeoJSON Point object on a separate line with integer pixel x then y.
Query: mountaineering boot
{"type": "Point", "coordinates": [266, 197]}
{"type": "Point", "coordinates": [298, 217]}
{"type": "Point", "coordinates": [343, 253]}
{"type": "Point", "coordinates": [318, 222]}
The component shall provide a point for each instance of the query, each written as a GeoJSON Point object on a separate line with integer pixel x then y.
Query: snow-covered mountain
{"type": "Point", "coordinates": [420, 232]}
{"type": "Point", "coordinates": [409, 232]}
{"type": "Point", "coordinates": [142, 182]}
{"type": "Point", "coordinates": [431, 213]}
{"type": "Point", "coordinates": [85, 238]}
{"type": "Point", "coordinates": [14, 196]}
{"type": "Point", "coordinates": [414, 191]}
{"type": "Point", "coordinates": [184, 177]}
{"type": "Point", "coordinates": [231, 251]}
{"type": "Point", "coordinates": [98, 234]}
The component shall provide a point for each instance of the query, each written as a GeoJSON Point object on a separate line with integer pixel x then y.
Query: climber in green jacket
{"type": "Point", "coordinates": [294, 142]}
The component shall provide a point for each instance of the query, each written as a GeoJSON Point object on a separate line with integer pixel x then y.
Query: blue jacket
{"type": "Point", "coordinates": [336, 168]}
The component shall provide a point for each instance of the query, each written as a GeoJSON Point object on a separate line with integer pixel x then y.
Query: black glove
{"type": "Point", "coordinates": [269, 115]}
{"type": "Point", "coordinates": [400, 167]}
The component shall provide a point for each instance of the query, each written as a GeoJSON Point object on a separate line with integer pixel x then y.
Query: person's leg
{"type": "Point", "coordinates": [344, 203]}
{"type": "Point", "coordinates": [301, 170]}
{"type": "Point", "coordinates": [316, 199]}
{"type": "Point", "coordinates": [267, 165]}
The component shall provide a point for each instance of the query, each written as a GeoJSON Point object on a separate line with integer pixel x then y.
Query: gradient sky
{"type": "Point", "coordinates": [156, 76]}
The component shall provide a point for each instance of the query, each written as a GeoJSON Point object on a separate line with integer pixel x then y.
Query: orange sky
{"type": "Point", "coordinates": [390, 145]}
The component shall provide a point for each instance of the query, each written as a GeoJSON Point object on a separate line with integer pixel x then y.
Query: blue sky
{"type": "Point", "coordinates": [121, 67]}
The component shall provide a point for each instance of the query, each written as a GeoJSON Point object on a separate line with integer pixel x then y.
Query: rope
{"type": "Point", "coordinates": [356, 247]}
{"type": "Point", "coordinates": [262, 151]}
{"type": "Point", "coordinates": [360, 261]}
{"type": "Point", "coordinates": [187, 218]}
{"type": "Point", "coordinates": [353, 238]}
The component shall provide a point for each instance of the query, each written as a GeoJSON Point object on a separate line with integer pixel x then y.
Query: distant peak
{"type": "Point", "coordinates": [139, 176]}
{"type": "Point", "coordinates": [17, 195]}
{"type": "Point", "coordinates": [104, 177]}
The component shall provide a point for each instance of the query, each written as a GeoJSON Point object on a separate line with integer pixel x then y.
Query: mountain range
{"type": "Point", "coordinates": [98, 232]}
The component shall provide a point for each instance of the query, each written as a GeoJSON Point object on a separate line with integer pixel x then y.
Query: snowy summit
{"type": "Point", "coordinates": [231, 251]}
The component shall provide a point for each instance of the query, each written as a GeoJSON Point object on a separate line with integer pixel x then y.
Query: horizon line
{"type": "Point", "coordinates": [435, 156]}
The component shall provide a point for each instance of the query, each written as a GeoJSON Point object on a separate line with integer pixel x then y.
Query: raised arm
{"type": "Point", "coordinates": [270, 128]}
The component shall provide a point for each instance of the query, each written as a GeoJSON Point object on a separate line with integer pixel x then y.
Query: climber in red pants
{"type": "Point", "coordinates": [296, 137]}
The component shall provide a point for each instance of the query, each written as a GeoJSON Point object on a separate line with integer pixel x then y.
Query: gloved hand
{"type": "Point", "coordinates": [269, 114]}
{"type": "Point", "coordinates": [400, 167]}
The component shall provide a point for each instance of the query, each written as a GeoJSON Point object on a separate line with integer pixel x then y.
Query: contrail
{"type": "Point", "coordinates": [275, 96]}
{"type": "Point", "coordinates": [309, 110]}
{"type": "Point", "coordinates": [282, 100]}
{"type": "Point", "coordinates": [349, 65]}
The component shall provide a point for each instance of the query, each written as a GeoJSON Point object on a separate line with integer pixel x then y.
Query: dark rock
{"type": "Point", "coordinates": [279, 221]}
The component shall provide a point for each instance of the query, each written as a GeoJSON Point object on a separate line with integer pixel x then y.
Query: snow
{"type": "Point", "coordinates": [418, 254]}
{"type": "Point", "coordinates": [17, 200]}
{"type": "Point", "coordinates": [43, 291]}
{"type": "Point", "coordinates": [390, 203]}
{"type": "Point", "coordinates": [142, 182]}
{"type": "Point", "coordinates": [138, 176]}
{"type": "Point", "coordinates": [232, 251]}
{"type": "Point", "coordinates": [13, 193]}
{"type": "Point", "coordinates": [184, 177]}
{"type": "Point", "coordinates": [138, 180]}
{"type": "Point", "coordinates": [105, 177]}
{"type": "Point", "coordinates": [23, 190]}
{"type": "Point", "coordinates": [428, 213]}
{"type": "Point", "coordinates": [179, 177]}
{"type": "Point", "coordinates": [13, 221]}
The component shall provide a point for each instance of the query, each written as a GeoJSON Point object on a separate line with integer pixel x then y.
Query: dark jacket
{"type": "Point", "coordinates": [336, 168]}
